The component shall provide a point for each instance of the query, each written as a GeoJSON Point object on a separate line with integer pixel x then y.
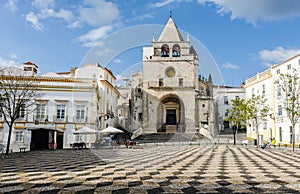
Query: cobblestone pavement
{"type": "Point", "coordinates": [153, 169]}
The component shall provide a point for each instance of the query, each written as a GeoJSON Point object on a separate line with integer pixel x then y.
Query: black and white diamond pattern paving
{"type": "Point", "coordinates": [152, 169]}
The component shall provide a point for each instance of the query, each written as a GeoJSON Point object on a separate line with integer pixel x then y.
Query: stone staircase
{"type": "Point", "coordinates": [170, 137]}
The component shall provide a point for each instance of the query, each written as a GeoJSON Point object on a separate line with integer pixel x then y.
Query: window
{"type": "Point", "coordinates": [253, 92]}
{"type": "Point", "coordinates": [176, 51]}
{"type": "Point", "coordinates": [27, 68]}
{"type": "Point", "coordinates": [278, 71]}
{"type": "Point", "coordinates": [299, 62]}
{"type": "Point", "coordinates": [21, 113]}
{"type": "Point", "coordinates": [61, 111]}
{"type": "Point", "coordinates": [140, 116]}
{"type": "Point", "coordinates": [40, 112]}
{"type": "Point", "coordinates": [226, 114]}
{"type": "Point", "coordinates": [165, 50]}
{"type": "Point", "coordinates": [280, 134]}
{"type": "Point", "coordinates": [226, 100]}
{"type": "Point", "coordinates": [19, 136]}
{"type": "Point", "coordinates": [263, 89]}
{"type": "Point", "coordinates": [180, 82]}
{"type": "Point", "coordinates": [107, 108]}
{"type": "Point", "coordinates": [170, 72]}
{"type": "Point", "coordinates": [289, 66]}
{"type": "Point", "coordinates": [279, 110]}
{"type": "Point", "coordinates": [278, 91]}
{"type": "Point", "coordinates": [265, 126]}
{"type": "Point", "coordinates": [80, 112]}
{"type": "Point", "coordinates": [79, 138]}
{"type": "Point", "coordinates": [161, 82]}
{"type": "Point", "coordinates": [237, 97]}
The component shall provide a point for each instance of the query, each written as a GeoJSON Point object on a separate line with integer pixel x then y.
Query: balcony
{"type": "Point", "coordinates": [40, 118]}
{"type": "Point", "coordinates": [169, 83]}
{"type": "Point", "coordinates": [22, 118]}
{"type": "Point", "coordinates": [60, 119]}
{"type": "Point", "coordinates": [80, 120]}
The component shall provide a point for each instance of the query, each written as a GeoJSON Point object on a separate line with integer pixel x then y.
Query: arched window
{"type": "Point", "coordinates": [176, 51]}
{"type": "Point", "coordinates": [165, 50]}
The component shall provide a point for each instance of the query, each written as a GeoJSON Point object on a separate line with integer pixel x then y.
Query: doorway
{"type": "Point", "coordinates": [60, 140]}
{"type": "Point", "coordinates": [39, 139]}
{"type": "Point", "coordinates": [171, 117]}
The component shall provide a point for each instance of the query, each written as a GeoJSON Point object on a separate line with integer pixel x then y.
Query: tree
{"type": "Point", "coordinates": [17, 94]}
{"type": "Point", "coordinates": [237, 115]}
{"type": "Point", "coordinates": [257, 110]}
{"type": "Point", "coordinates": [288, 86]}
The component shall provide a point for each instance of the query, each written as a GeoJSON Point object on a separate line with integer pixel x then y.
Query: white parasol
{"type": "Point", "coordinates": [85, 130]}
{"type": "Point", "coordinates": [110, 129]}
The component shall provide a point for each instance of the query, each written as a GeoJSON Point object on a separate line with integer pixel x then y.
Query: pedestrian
{"type": "Point", "coordinates": [268, 144]}
{"type": "Point", "coordinates": [110, 142]}
{"type": "Point", "coordinates": [273, 142]}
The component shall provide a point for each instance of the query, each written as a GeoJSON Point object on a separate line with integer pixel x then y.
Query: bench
{"type": "Point", "coordinates": [22, 147]}
{"type": "Point", "coordinates": [244, 142]}
{"type": "Point", "coordinates": [2, 148]}
{"type": "Point", "coordinates": [80, 145]}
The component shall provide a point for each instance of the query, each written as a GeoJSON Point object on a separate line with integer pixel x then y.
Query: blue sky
{"type": "Point", "coordinates": [243, 37]}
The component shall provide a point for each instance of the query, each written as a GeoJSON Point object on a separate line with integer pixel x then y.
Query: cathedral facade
{"type": "Point", "coordinates": [169, 95]}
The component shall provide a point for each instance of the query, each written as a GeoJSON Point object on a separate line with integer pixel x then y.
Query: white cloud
{"type": "Point", "coordinates": [230, 66]}
{"type": "Point", "coordinates": [13, 56]}
{"type": "Point", "coordinates": [76, 24]}
{"type": "Point", "coordinates": [93, 12]}
{"type": "Point", "coordinates": [61, 14]}
{"type": "Point", "coordinates": [141, 17]}
{"type": "Point", "coordinates": [256, 10]}
{"type": "Point", "coordinates": [43, 3]}
{"type": "Point", "coordinates": [8, 63]}
{"type": "Point", "coordinates": [167, 2]}
{"type": "Point", "coordinates": [94, 36]}
{"type": "Point", "coordinates": [278, 55]}
{"type": "Point", "coordinates": [91, 44]}
{"type": "Point", "coordinates": [45, 11]}
{"type": "Point", "coordinates": [33, 19]}
{"type": "Point", "coordinates": [117, 61]}
{"type": "Point", "coordinates": [162, 3]}
{"type": "Point", "coordinates": [99, 12]}
{"type": "Point", "coordinates": [104, 52]}
{"type": "Point", "coordinates": [12, 5]}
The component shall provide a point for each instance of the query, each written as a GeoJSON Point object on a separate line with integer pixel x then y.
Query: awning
{"type": "Point", "coordinates": [111, 129]}
{"type": "Point", "coordinates": [85, 130]}
{"type": "Point", "coordinates": [43, 127]}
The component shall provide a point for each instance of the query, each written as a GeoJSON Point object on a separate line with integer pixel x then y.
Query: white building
{"type": "Point", "coordinates": [276, 123]}
{"type": "Point", "coordinates": [70, 101]}
{"type": "Point", "coordinates": [222, 98]}
{"type": "Point", "coordinates": [168, 95]}
{"type": "Point", "coordinates": [283, 132]}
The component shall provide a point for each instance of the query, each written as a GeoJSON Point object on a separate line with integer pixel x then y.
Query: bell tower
{"type": "Point", "coordinates": [170, 77]}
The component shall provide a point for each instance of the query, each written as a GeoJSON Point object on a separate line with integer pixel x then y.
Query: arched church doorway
{"type": "Point", "coordinates": [170, 115]}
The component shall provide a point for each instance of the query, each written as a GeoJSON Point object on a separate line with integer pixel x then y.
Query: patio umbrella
{"type": "Point", "coordinates": [110, 129]}
{"type": "Point", "coordinates": [85, 130]}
